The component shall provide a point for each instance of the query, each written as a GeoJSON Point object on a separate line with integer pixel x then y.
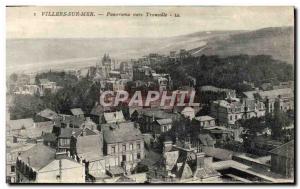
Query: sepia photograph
{"type": "Point", "coordinates": [150, 95]}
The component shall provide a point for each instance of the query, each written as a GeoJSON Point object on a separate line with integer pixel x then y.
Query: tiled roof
{"type": "Point", "coordinates": [121, 132]}
{"type": "Point", "coordinates": [77, 111]}
{"type": "Point", "coordinates": [38, 156]}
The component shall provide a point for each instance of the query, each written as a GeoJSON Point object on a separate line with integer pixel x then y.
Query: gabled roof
{"type": "Point", "coordinates": [89, 147]}
{"type": "Point", "coordinates": [164, 121]}
{"type": "Point", "coordinates": [47, 113]}
{"type": "Point", "coordinates": [188, 109]}
{"type": "Point", "coordinates": [204, 118]}
{"type": "Point", "coordinates": [113, 117]}
{"type": "Point", "coordinates": [250, 94]}
{"type": "Point", "coordinates": [77, 111]}
{"type": "Point", "coordinates": [121, 132]}
{"type": "Point", "coordinates": [285, 150]}
{"type": "Point", "coordinates": [38, 156]}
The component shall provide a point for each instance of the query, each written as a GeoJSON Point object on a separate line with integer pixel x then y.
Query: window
{"type": "Point", "coordinates": [230, 117]}
{"type": "Point", "coordinates": [131, 147]}
{"type": "Point", "coordinates": [124, 147]}
{"type": "Point", "coordinates": [123, 157]}
{"type": "Point", "coordinates": [57, 177]}
{"type": "Point", "coordinates": [138, 146]}
{"type": "Point", "coordinates": [113, 149]}
{"type": "Point", "coordinates": [138, 156]}
{"type": "Point", "coordinates": [12, 169]}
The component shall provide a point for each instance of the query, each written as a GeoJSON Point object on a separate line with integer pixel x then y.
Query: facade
{"type": "Point", "coordinates": [227, 112]}
{"type": "Point", "coordinates": [146, 74]}
{"type": "Point", "coordinates": [146, 118]}
{"type": "Point", "coordinates": [66, 134]}
{"type": "Point", "coordinates": [281, 98]}
{"type": "Point", "coordinates": [161, 126]}
{"type": "Point", "coordinates": [47, 86]}
{"type": "Point", "coordinates": [123, 146]}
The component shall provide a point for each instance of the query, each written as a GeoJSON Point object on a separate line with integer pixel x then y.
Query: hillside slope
{"type": "Point", "coordinates": [277, 42]}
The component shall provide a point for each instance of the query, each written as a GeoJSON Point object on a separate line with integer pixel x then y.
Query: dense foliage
{"type": "Point", "coordinates": [230, 72]}
{"type": "Point", "coordinates": [75, 94]}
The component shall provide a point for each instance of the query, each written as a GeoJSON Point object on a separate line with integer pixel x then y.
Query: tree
{"type": "Point", "coordinates": [26, 106]}
{"type": "Point", "coordinates": [253, 126]}
{"type": "Point", "coordinates": [277, 122]}
{"type": "Point", "coordinates": [13, 77]}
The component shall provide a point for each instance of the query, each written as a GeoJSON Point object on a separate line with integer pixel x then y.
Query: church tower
{"type": "Point", "coordinates": [106, 62]}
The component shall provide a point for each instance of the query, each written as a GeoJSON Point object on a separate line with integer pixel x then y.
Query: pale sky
{"type": "Point", "coordinates": [21, 22]}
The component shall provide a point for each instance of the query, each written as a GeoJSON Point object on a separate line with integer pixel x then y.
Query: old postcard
{"type": "Point", "coordinates": [140, 94]}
